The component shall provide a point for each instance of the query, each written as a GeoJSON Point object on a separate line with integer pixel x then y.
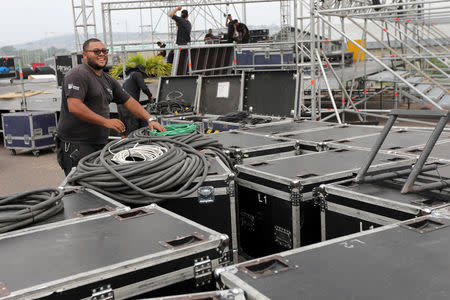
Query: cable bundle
{"type": "Point", "coordinates": [138, 153]}
{"type": "Point", "coordinates": [169, 176]}
{"type": "Point", "coordinates": [175, 129]}
{"type": "Point", "coordinates": [173, 104]}
{"type": "Point", "coordinates": [243, 117]}
{"type": "Point", "coordinates": [30, 207]}
{"type": "Point", "coordinates": [196, 140]}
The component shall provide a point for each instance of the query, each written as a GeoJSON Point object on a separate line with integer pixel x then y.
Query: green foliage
{"type": "Point", "coordinates": [155, 66]}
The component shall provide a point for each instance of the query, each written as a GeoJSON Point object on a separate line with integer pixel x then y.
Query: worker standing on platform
{"type": "Point", "coordinates": [87, 91]}
{"type": "Point", "coordinates": [184, 28]}
{"type": "Point", "coordinates": [133, 85]}
{"type": "Point", "coordinates": [241, 30]}
{"type": "Point", "coordinates": [229, 23]}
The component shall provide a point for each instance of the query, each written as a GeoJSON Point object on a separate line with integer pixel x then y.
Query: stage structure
{"type": "Point", "coordinates": [349, 55]}
{"type": "Point", "coordinates": [204, 14]}
{"type": "Point", "coordinates": [83, 21]}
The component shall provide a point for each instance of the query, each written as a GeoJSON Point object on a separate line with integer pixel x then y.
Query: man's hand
{"type": "Point", "coordinates": [155, 125]}
{"type": "Point", "coordinates": [115, 124]}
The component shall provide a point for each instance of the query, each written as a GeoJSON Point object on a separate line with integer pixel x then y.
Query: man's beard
{"type": "Point", "coordinates": [94, 65]}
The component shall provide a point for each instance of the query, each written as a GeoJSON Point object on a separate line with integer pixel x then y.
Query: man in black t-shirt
{"type": "Point", "coordinates": [134, 83]}
{"type": "Point", "coordinates": [184, 26]}
{"type": "Point", "coordinates": [242, 31]}
{"type": "Point", "coordinates": [229, 23]}
{"type": "Point", "coordinates": [209, 36]}
{"type": "Point", "coordinates": [87, 91]}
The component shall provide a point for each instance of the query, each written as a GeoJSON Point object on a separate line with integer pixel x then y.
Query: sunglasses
{"type": "Point", "coordinates": [98, 51]}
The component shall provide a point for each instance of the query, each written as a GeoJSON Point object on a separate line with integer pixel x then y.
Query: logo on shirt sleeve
{"type": "Point", "coordinates": [71, 86]}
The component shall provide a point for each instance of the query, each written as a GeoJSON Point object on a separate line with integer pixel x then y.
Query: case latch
{"type": "Point", "coordinates": [202, 271]}
{"type": "Point", "coordinates": [103, 293]}
{"type": "Point", "coordinates": [282, 237]}
{"type": "Point", "coordinates": [320, 198]}
{"type": "Point", "coordinates": [205, 194]}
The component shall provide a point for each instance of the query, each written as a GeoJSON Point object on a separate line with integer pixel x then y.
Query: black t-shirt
{"type": "Point", "coordinates": [184, 30]}
{"type": "Point", "coordinates": [96, 92]}
{"type": "Point", "coordinates": [240, 28]}
{"type": "Point", "coordinates": [134, 84]}
{"type": "Point", "coordinates": [209, 35]}
{"type": "Point", "coordinates": [230, 31]}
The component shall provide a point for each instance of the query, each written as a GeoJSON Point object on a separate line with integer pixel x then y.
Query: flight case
{"type": "Point", "coordinates": [29, 131]}
{"type": "Point", "coordinates": [113, 256]}
{"type": "Point", "coordinates": [276, 211]}
{"type": "Point", "coordinates": [348, 207]}
{"type": "Point", "coordinates": [408, 261]}
{"type": "Point", "coordinates": [242, 145]}
{"type": "Point", "coordinates": [213, 205]}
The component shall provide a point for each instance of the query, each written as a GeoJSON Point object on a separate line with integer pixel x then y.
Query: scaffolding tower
{"type": "Point", "coordinates": [83, 21]}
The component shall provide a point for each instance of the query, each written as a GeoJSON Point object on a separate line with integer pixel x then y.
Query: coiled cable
{"type": "Point", "coordinates": [175, 129]}
{"type": "Point", "coordinates": [197, 140]}
{"type": "Point", "coordinates": [22, 209]}
{"type": "Point", "coordinates": [177, 173]}
{"type": "Point", "coordinates": [137, 153]}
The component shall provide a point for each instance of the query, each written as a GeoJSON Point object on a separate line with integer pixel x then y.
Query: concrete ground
{"type": "Point", "coordinates": [24, 171]}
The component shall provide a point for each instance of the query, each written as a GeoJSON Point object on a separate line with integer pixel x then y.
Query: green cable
{"type": "Point", "coordinates": [175, 129]}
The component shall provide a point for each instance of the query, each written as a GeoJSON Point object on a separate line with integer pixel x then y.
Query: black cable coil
{"type": "Point", "coordinates": [23, 209]}
{"type": "Point", "coordinates": [196, 140]}
{"type": "Point", "coordinates": [174, 103]}
{"type": "Point", "coordinates": [244, 117]}
{"type": "Point", "coordinates": [169, 176]}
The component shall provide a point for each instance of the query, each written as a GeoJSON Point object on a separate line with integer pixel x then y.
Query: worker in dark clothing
{"type": "Point", "coordinates": [209, 36]}
{"type": "Point", "coordinates": [133, 85]}
{"type": "Point", "coordinates": [162, 53]}
{"type": "Point", "coordinates": [229, 23]}
{"type": "Point", "coordinates": [241, 30]}
{"type": "Point", "coordinates": [87, 91]}
{"type": "Point", "coordinates": [184, 26]}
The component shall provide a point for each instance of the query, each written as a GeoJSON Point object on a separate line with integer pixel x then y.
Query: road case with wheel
{"type": "Point", "coordinates": [29, 131]}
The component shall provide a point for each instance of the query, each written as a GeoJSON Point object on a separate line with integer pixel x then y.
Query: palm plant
{"type": "Point", "coordinates": [155, 66]}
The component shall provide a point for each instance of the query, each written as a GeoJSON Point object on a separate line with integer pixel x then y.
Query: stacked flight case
{"type": "Point", "coordinates": [213, 205]}
{"type": "Point", "coordinates": [397, 140]}
{"type": "Point", "coordinates": [84, 203]}
{"type": "Point", "coordinates": [349, 207]}
{"type": "Point", "coordinates": [286, 126]}
{"type": "Point", "coordinates": [115, 255]}
{"type": "Point", "coordinates": [276, 211]}
{"type": "Point", "coordinates": [409, 260]}
{"type": "Point", "coordinates": [242, 145]}
{"type": "Point", "coordinates": [323, 137]}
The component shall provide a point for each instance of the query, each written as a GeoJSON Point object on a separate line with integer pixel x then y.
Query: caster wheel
{"type": "Point", "coordinates": [13, 152]}
{"type": "Point", "coordinates": [36, 153]}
